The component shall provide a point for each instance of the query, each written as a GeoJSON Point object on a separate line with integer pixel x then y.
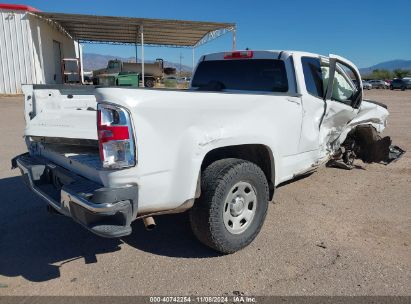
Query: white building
{"type": "Point", "coordinates": [31, 49]}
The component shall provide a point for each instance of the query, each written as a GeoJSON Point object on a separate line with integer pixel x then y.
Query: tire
{"type": "Point", "coordinates": [221, 201]}
{"type": "Point", "coordinates": [149, 83]}
{"type": "Point", "coordinates": [403, 89]}
{"type": "Point", "coordinates": [391, 88]}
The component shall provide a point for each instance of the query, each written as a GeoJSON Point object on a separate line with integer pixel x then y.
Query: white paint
{"type": "Point", "coordinates": [142, 56]}
{"type": "Point", "coordinates": [174, 130]}
{"type": "Point", "coordinates": [56, 115]}
{"type": "Point", "coordinates": [26, 50]}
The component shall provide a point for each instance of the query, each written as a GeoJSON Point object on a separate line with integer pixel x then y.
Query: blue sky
{"type": "Point", "coordinates": [365, 31]}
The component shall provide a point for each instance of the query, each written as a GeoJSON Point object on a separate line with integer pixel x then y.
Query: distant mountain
{"type": "Point", "coordinates": [93, 61]}
{"type": "Point", "coordinates": [388, 65]}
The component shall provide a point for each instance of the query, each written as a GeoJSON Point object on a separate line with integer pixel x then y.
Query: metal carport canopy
{"type": "Point", "coordinates": [126, 30]}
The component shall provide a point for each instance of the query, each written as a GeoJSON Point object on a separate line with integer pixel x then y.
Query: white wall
{"type": "Point", "coordinates": [17, 58]}
{"type": "Point", "coordinates": [48, 34]}
{"type": "Point", "coordinates": [26, 50]}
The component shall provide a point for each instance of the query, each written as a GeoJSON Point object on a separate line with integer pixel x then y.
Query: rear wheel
{"type": "Point", "coordinates": [232, 207]}
{"type": "Point", "coordinates": [149, 83]}
{"type": "Point", "coordinates": [403, 89]}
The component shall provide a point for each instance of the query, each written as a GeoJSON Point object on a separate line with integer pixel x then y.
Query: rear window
{"type": "Point", "coordinates": [265, 75]}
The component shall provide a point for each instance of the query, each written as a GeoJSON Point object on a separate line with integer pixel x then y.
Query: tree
{"type": "Point", "coordinates": [380, 74]}
{"type": "Point", "coordinates": [400, 73]}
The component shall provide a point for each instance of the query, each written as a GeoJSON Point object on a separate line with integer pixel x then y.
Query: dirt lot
{"type": "Point", "coordinates": [335, 232]}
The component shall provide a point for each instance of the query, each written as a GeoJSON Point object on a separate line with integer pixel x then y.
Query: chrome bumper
{"type": "Point", "coordinates": [107, 212]}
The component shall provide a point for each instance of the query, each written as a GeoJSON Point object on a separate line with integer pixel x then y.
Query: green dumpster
{"type": "Point", "coordinates": [128, 79]}
{"type": "Point", "coordinates": [107, 79]}
{"type": "Point", "coordinates": [119, 79]}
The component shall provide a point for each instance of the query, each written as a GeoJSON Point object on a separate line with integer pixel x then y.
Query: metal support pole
{"type": "Point", "coordinates": [142, 54]}
{"type": "Point", "coordinates": [80, 56]}
{"type": "Point", "coordinates": [193, 59]}
{"type": "Point", "coordinates": [234, 39]}
{"type": "Point", "coordinates": [136, 45]}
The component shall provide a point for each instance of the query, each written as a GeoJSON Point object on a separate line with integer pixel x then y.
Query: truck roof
{"type": "Point", "coordinates": [260, 54]}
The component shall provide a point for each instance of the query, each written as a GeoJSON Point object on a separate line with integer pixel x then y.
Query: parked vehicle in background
{"type": "Point", "coordinates": [170, 82]}
{"type": "Point", "coordinates": [366, 85]}
{"type": "Point", "coordinates": [153, 72]}
{"type": "Point", "coordinates": [401, 84]}
{"type": "Point", "coordinates": [379, 84]}
{"type": "Point", "coordinates": [184, 79]}
{"type": "Point", "coordinates": [88, 80]}
{"type": "Point", "coordinates": [250, 121]}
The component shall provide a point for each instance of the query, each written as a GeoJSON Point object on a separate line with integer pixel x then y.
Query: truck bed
{"type": "Point", "coordinates": [83, 160]}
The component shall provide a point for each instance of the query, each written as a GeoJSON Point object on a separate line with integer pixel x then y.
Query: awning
{"type": "Point", "coordinates": [126, 30]}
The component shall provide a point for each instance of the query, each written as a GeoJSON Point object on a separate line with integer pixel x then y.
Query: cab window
{"type": "Point", "coordinates": [344, 89]}
{"type": "Point", "coordinates": [313, 76]}
{"type": "Point", "coordinates": [263, 75]}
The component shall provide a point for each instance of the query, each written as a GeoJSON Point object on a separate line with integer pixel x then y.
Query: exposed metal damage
{"type": "Point", "coordinates": [366, 144]}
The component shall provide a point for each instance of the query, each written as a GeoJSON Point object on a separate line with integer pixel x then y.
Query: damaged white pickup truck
{"type": "Point", "coordinates": [250, 121]}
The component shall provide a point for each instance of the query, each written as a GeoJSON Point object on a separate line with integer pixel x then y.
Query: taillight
{"type": "Point", "coordinates": [238, 54]}
{"type": "Point", "coordinates": [115, 137]}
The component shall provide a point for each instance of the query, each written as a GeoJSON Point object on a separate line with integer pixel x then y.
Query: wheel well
{"type": "Point", "coordinates": [258, 154]}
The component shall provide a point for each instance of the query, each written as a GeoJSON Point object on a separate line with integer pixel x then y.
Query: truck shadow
{"type": "Point", "coordinates": [172, 237]}
{"type": "Point", "coordinates": [295, 179]}
{"type": "Point", "coordinates": [35, 244]}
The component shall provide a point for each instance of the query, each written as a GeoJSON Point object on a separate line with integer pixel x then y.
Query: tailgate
{"type": "Point", "coordinates": [60, 111]}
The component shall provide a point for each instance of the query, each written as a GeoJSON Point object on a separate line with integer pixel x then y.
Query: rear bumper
{"type": "Point", "coordinates": [107, 212]}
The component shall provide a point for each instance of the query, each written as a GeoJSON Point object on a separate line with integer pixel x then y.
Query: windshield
{"type": "Point", "coordinates": [113, 64]}
{"type": "Point", "coordinates": [265, 75]}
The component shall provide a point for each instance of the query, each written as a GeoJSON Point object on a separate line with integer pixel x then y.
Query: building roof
{"type": "Point", "coordinates": [17, 7]}
{"type": "Point", "coordinates": [125, 30]}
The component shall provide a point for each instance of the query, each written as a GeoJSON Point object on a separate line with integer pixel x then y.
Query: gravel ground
{"type": "Point", "coordinates": [335, 232]}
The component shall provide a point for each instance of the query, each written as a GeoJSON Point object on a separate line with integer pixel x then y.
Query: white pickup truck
{"type": "Point", "coordinates": [250, 121]}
